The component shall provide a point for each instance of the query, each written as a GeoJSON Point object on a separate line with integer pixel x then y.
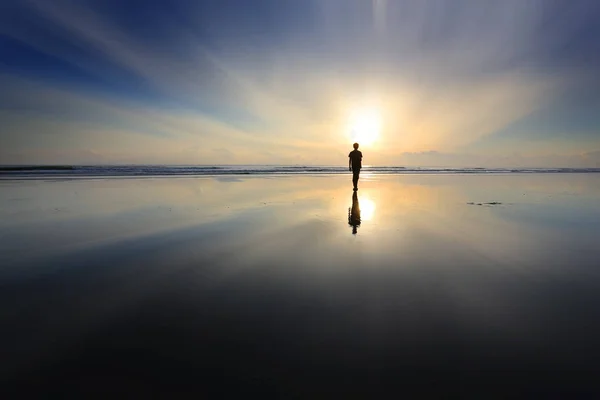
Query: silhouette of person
{"type": "Point", "coordinates": [355, 164]}
{"type": "Point", "coordinates": [354, 213]}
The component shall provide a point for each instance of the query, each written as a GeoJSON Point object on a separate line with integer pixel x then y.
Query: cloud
{"type": "Point", "coordinates": [41, 121]}
{"type": "Point", "coordinates": [53, 156]}
{"type": "Point", "coordinates": [592, 158]}
{"type": "Point", "coordinates": [441, 79]}
{"type": "Point", "coordinates": [46, 117]}
{"type": "Point", "coordinates": [513, 160]}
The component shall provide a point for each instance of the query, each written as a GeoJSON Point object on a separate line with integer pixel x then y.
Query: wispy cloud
{"type": "Point", "coordinates": [443, 74]}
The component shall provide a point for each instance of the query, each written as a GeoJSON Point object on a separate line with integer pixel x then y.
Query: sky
{"type": "Point", "coordinates": [418, 82]}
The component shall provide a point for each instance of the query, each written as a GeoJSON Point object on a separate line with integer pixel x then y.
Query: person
{"type": "Point", "coordinates": [355, 164]}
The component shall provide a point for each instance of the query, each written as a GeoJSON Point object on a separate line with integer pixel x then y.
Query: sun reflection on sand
{"type": "Point", "coordinates": [367, 208]}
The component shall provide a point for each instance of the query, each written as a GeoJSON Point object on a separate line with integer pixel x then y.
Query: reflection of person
{"type": "Point", "coordinates": [355, 164]}
{"type": "Point", "coordinates": [354, 213]}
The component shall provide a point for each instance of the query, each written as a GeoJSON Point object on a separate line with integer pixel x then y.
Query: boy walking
{"type": "Point", "coordinates": [355, 164]}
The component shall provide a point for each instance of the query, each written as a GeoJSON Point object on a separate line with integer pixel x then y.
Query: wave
{"type": "Point", "coordinates": [170, 170]}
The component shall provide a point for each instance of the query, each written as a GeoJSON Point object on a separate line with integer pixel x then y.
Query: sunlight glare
{"type": "Point", "coordinates": [367, 208]}
{"type": "Point", "coordinates": [365, 127]}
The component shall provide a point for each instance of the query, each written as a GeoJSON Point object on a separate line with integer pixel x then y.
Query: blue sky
{"type": "Point", "coordinates": [461, 82]}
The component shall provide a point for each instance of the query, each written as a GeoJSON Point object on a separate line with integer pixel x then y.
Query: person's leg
{"type": "Point", "coordinates": [355, 178]}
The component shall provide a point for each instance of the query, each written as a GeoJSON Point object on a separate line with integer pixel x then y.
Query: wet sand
{"type": "Point", "coordinates": [161, 286]}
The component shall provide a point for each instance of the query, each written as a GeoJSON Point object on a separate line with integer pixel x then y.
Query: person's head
{"type": "Point", "coordinates": [355, 145]}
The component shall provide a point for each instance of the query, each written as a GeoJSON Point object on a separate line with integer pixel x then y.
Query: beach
{"type": "Point", "coordinates": [293, 285]}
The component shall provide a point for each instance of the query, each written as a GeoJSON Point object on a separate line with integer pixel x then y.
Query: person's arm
{"type": "Point", "coordinates": [349, 163]}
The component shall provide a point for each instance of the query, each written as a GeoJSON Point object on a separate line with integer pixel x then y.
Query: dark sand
{"type": "Point", "coordinates": [472, 284]}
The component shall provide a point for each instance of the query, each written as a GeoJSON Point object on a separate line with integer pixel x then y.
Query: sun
{"type": "Point", "coordinates": [365, 127]}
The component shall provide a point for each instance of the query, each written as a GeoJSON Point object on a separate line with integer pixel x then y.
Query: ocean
{"type": "Point", "coordinates": [204, 170]}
